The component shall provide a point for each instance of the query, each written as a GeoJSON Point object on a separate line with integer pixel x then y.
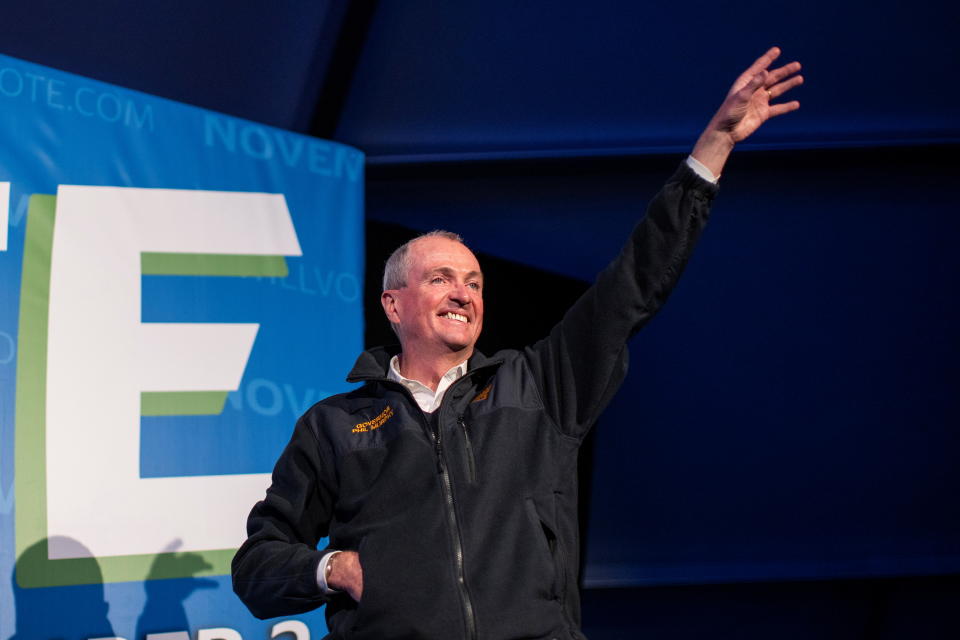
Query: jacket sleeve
{"type": "Point", "coordinates": [274, 572]}
{"type": "Point", "coordinates": [583, 361]}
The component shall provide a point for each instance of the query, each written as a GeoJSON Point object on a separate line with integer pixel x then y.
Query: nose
{"type": "Point", "coordinates": [461, 294]}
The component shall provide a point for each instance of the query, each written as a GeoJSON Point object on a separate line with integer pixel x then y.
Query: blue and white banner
{"type": "Point", "coordinates": [176, 287]}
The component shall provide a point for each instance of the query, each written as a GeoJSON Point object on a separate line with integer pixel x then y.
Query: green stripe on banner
{"type": "Point", "coordinates": [182, 403]}
{"type": "Point", "coordinates": [30, 477]}
{"type": "Point", "coordinates": [211, 264]}
{"type": "Point", "coordinates": [36, 570]}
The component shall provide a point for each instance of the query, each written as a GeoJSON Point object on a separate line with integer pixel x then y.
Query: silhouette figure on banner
{"type": "Point", "coordinates": [75, 612]}
{"type": "Point", "coordinates": [164, 611]}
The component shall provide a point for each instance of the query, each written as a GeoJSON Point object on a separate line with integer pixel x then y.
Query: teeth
{"type": "Point", "coordinates": [455, 316]}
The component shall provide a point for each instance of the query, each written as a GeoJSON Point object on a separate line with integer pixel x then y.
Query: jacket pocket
{"type": "Point", "coordinates": [402, 597]}
{"type": "Point", "coordinates": [368, 599]}
{"type": "Point", "coordinates": [549, 546]}
{"type": "Point", "coordinates": [470, 458]}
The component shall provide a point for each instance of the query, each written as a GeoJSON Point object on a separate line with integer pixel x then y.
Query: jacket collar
{"type": "Point", "coordinates": [373, 363]}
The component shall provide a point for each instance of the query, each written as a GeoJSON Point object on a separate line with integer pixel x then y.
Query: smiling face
{"type": "Point", "coordinates": [439, 312]}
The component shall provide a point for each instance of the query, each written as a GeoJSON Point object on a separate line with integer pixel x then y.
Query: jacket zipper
{"type": "Point", "coordinates": [457, 543]}
{"type": "Point", "coordinates": [455, 533]}
{"type": "Point", "coordinates": [446, 483]}
{"type": "Point", "coordinates": [454, 526]}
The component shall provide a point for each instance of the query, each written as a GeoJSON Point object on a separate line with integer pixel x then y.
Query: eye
{"type": "Point", "coordinates": [437, 280]}
{"type": "Point", "coordinates": [474, 285]}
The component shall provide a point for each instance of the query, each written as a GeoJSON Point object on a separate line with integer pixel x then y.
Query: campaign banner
{"type": "Point", "coordinates": [177, 286]}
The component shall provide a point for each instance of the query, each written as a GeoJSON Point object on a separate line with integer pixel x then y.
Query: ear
{"type": "Point", "coordinates": [389, 301]}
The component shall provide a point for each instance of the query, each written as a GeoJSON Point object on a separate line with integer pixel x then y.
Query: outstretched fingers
{"type": "Point", "coordinates": [778, 89]}
{"type": "Point", "coordinates": [778, 74]}
{"type": "Point", "coordinates": [763, 62]}
{"type": "Point", "coordinates": [786, 107]}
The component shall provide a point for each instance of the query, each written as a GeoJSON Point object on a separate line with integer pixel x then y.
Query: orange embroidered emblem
{"type": "Point", "coordinates": [483, 394]}
{"type": "Point", "coordinates": [376, 423]}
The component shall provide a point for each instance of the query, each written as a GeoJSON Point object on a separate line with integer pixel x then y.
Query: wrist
{"type": "Point", "coordinates": [324, 572]}
{"type": "Point", "coordinates": [713, 148]}
{"type": "Point", "coordinates": [328, 570]}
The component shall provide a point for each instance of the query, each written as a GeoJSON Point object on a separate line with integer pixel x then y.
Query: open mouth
{"type": "Point", "coordinates": [459, 317]}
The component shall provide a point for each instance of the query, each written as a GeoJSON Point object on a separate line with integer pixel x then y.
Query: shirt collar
{"type": "Point", "coordinates": [454, 373]}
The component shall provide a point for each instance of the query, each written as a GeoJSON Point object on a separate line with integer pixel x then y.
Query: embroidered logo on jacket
{"type": "Point", "coordinates": [483, 394]}
{"type": "Point", "coordinates": [376, 423]}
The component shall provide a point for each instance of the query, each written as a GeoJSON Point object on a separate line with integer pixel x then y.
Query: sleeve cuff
{"type": "Point", "coordinates": [699, 168]}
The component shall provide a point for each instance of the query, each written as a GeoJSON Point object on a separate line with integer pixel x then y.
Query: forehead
{"type": "Point", "coordinates": [428, 254]}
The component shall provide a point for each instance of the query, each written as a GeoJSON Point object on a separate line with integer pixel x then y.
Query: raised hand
{"type": "Point", "coordinates": [748, 104]}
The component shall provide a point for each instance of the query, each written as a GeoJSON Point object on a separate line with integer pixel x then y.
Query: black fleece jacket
{"type": "Point", "coordinates": [465, 520]}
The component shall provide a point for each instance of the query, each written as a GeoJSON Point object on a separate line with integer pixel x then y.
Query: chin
{"type": "Point", "coordinates": [458, 345]}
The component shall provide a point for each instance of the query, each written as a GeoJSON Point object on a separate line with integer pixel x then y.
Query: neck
{"type": "Point", "coordinates": [429, 370]}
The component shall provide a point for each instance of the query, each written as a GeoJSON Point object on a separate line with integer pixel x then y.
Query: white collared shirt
{"type": "Point", "coordinates": [427, 399]}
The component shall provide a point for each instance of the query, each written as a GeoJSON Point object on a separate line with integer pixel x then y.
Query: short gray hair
{"type": "Point", "coordinates": [398, 264]}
